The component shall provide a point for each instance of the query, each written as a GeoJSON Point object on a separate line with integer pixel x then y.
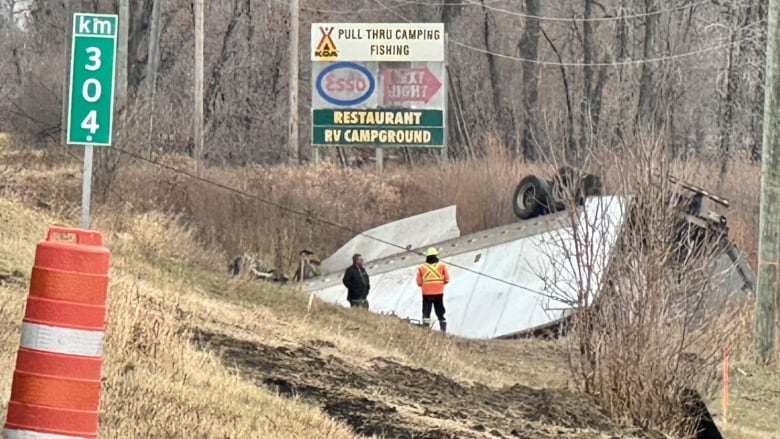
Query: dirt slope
{"type": "Point", "coordinates": [384, 397]}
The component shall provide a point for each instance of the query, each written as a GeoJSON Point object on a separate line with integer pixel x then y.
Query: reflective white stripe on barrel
{"type": "Point", "coordinates": [26, 434]}
{"type": "Point", "coordinates": [62, 340]}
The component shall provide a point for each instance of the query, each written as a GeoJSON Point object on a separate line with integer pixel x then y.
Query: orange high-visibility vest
{"type": "Point", "coordinates": [432, 278]}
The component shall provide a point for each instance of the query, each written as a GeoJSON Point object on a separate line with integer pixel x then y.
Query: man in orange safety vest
{"type": "Point", "coordinates": [431, 278]}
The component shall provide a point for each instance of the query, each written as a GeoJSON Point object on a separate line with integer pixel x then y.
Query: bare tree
{"type": "Point", "coordinates": [646, 287]}
{"type": "Point", "coordinates": [651, 62]}
{"type": "Point", "coordinates": [529, 49]}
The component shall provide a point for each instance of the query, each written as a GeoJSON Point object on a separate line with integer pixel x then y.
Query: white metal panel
{"type": "Point", "coordinates": [415, 231]}
{"type": "Point", "coordinates": [507, 289]}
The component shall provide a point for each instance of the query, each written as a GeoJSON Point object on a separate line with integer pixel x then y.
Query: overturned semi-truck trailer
{"type": "Point", "coordinates": [508, 281]}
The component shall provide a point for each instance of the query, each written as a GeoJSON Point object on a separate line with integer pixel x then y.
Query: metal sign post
{"type": "Point", "coordinates": [91, 96]}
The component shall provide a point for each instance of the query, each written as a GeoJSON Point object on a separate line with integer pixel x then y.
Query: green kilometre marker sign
{"type": "Point", "coordinates": [91, 97]}
{"type": "Point", "coordinates": [93, 63]}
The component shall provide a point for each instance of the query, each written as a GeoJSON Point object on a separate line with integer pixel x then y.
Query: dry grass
{"type": "Point", "coordinates": [353, 199]}
{"type": "Point", "coordinates": [157, 384]}
{"type": "Point", "coordinates": [753, 403]}
{"type": "Point", "coordinates": [357, 199]}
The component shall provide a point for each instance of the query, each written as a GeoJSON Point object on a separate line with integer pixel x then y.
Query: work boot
{"type": "Point", "coordinates": [426, 322]}
{"type": "Point", "coordinates": [443, 326]}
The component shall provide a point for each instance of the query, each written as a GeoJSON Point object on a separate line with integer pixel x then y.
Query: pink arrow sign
{"type": "Point", "coordinates": [410, 85]}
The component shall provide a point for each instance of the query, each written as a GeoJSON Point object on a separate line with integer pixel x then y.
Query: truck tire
{"type": "Point", "coordinates": [532, 198]}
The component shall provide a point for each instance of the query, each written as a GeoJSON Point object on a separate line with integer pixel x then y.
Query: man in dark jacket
{"type": "Point", "coordinates": [356, 281]}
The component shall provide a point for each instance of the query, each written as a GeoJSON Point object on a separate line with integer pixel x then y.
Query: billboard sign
{"type": "Point", "coordinates": [386, 42]}
{"type": "Point", "coordinates": [378, 84]}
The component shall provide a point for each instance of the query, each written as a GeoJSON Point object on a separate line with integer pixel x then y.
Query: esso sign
{"type": "Point", "coordinates": [334, 84]}
{"type": "Point", "coordinates": [345, 84]}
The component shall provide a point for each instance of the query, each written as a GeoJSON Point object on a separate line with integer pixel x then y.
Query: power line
{"type": "Point", "coordinates": [317, 219]}
{"type": "Point", "coordinates": [602, 64]}
{"type": "Point", "coordinates": [329, 11]}
{"type": "Point", "coordinates": [408, 2]}
{"type": "Point", "coordinates": [487, 5]}
{"type": "Point", "coordinates": [585, 20]}
{"type": "Point", "coordinates": [580, 64]}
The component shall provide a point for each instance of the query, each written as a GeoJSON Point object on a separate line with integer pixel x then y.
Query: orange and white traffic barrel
{"type": "Point", "coordinates": [56, 383]}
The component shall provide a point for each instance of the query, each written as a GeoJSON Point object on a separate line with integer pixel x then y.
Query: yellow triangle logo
{"type": "Point", "coordinates": [326, 49]}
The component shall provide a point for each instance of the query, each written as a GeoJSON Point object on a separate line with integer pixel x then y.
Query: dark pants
{"type": "Point", "coordinates": [358, 303]}
{"type": "Point", "coordinates": [435, 301]}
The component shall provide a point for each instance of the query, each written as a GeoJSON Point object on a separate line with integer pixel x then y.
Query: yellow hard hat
{"type": "Point", "coordinates": [432, 252]}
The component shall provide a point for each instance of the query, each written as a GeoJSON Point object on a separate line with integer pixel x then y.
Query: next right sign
{"type": "Point", "coordinates": [410, 85]}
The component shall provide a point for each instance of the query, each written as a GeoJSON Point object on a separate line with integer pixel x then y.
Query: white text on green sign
{"type": "Point", "coordinates": [378, 127]}
{"type": "Point", "coordinates": [93, 65]}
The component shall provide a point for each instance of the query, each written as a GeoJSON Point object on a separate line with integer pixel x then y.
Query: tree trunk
{"type": "Point", "coordinates": [730, 96]}
{"type": "Point", "coordinates": [121, 55]}
{"type": "Point", "coordinates": [623, 43]}
{"type": "Point", "coordinates": [529, 49]}
{"type": "Point", "coordinates": [759, 11]}
{"type": "Point", "coordinates": [500, 109]}
{"type": "Point", "coordinates": [587, 59]}
{"type": "Point", "coordinates": [450, 10]}
{"type": "Point", "coordinates": [151, 70]}
{"type": "Point", "coordinates": [140, 16]}
{"type": "Point", "coordinates": [647, 104]}
{"type": "Point", "coordinates": [571, 144]}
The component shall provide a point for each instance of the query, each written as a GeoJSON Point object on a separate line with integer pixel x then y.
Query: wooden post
{"type": "Point", "coordinates": [725, 383]}
{"type": "Point", "coordinates": [769, 221]}
{"type": "Point", "coordinates": [445, 90]}
{"type": "Point", "coordinates": [151, 71]}
{"type": "Point", "coordinates": [121, 55]}
{"type": "Point", "coordinates": [198, 92]}
{"type": "Point", "coordinates": [293, 144]}
{"type": "Point", "coordinates": [66, 54]}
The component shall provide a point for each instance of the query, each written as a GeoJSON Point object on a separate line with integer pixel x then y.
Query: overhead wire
{"type": "Point", "coordinates": [489, 5]}
{"type": "Point", "coordinates": [582, 64]}
{"type": "Point", "coordinates": [604, 64]}
{"type": "Point", "coordinates": [583, 19]}
{"type": "Point", "coordinates": [352, 11]}
{"type": "Point", "coordinates": [321, 220]}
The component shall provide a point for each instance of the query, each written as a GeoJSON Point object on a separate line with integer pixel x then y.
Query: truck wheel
{"type": "Point", "coordinates": [532, 198]}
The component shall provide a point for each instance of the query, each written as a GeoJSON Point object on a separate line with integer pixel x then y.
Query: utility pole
{"type": "Point", "coordinates": [66, 55]}
{"type": "Point", "coordinates": [198, 94]}
{"type": "Point", "coordinates": [151, 70]}
{"type": "Point", "coordinates": [293, 144]}
{"type": "Point", "coordinates": [769, 222]}
{"type": "Point", "coordinates": [121, 56]}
